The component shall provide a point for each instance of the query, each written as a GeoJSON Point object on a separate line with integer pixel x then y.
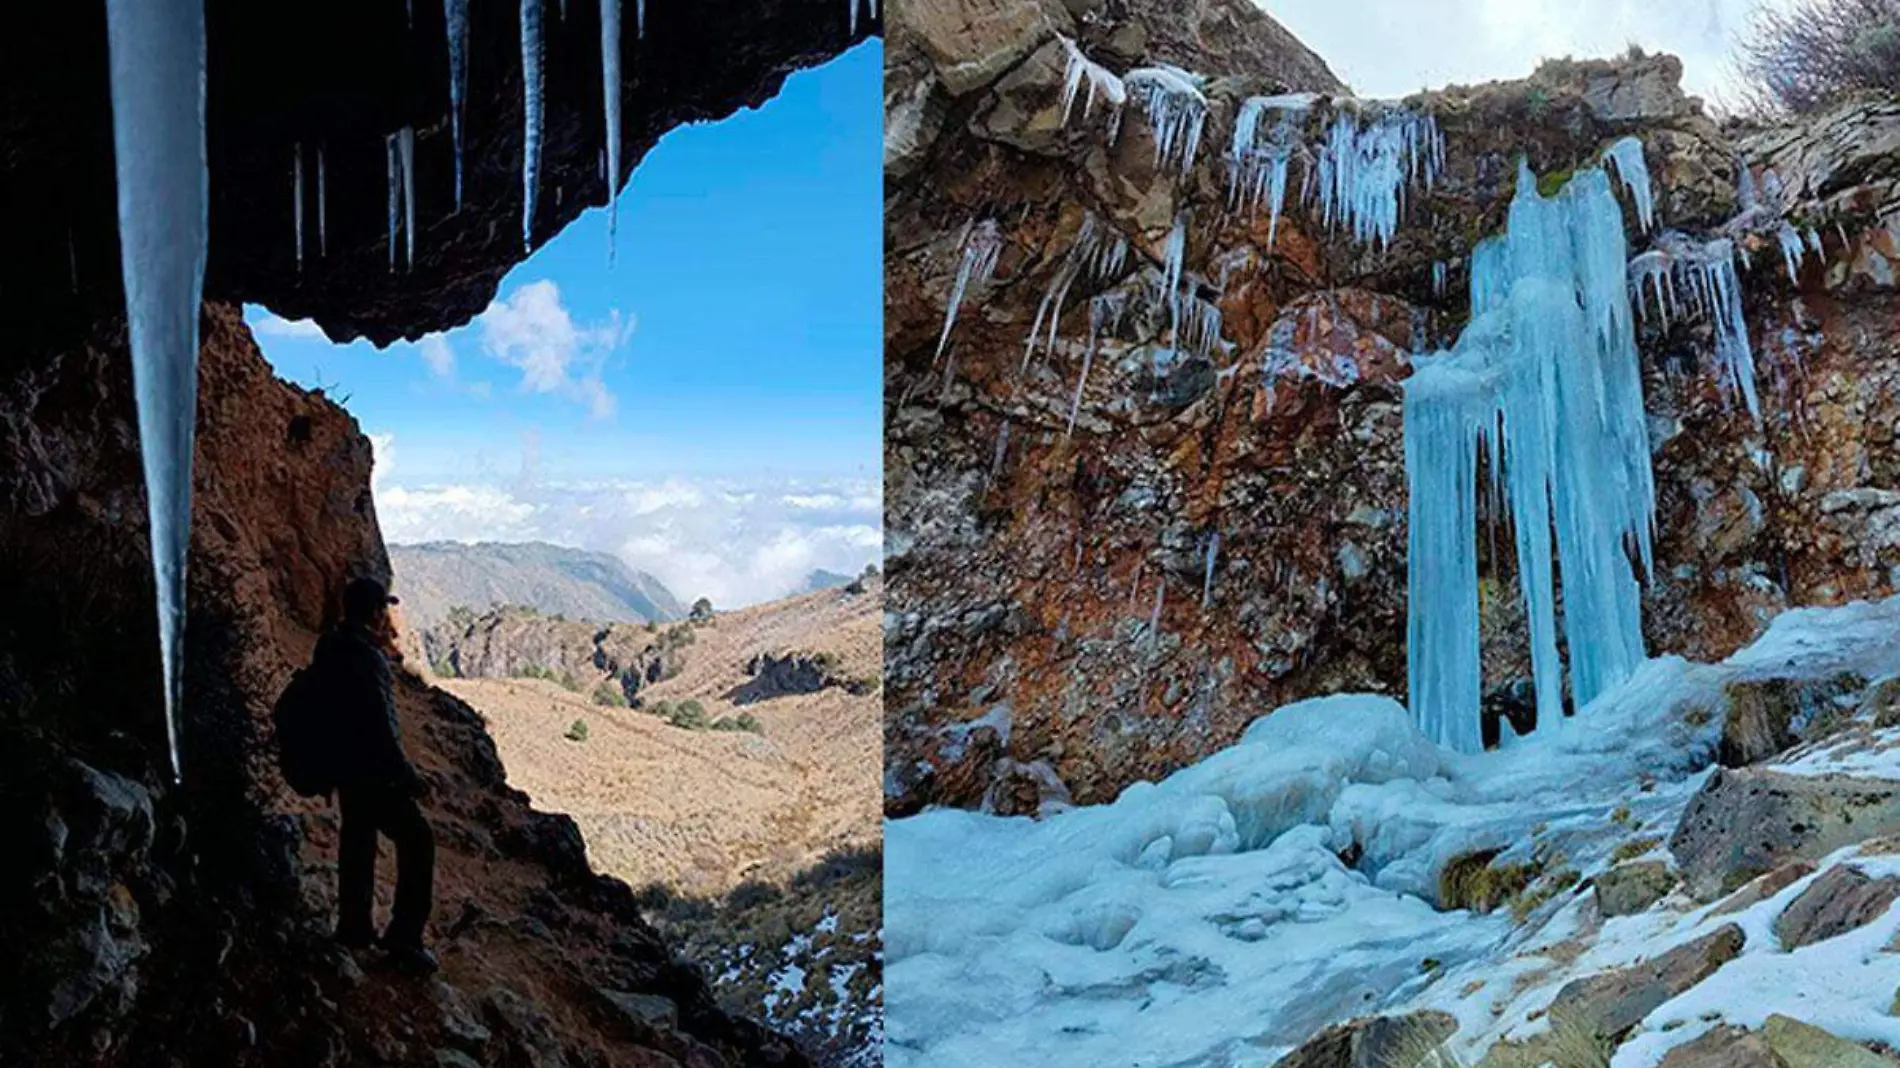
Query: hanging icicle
{"type": "Point", "coordinates": [1079, 70]}
{"type": "Point", "coordinates": [610, 83]}
{"type": "Point", "coordinates": [531, 84]}
{"type": "Point", "coordinates": [296, 196]}
{"type": "Point", "coordinates": [156, 56]}
{"type": "Point", "coordinates": [455, 18]}
{"type": "Point", "coordinates": [1207, 579]}
{"type": "Point", "coordinates": [393, 167]}
{"type": "Point", "coordinates": [1258, 168]}
{"type": "Point", "coordinates": [406, 154]}
{"type": "Point", "coordinates": [323, 208]}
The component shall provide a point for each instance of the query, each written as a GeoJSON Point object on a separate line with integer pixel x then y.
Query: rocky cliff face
{"type": "Point", "coordinates": [518, 642]}
{"type": "Point", "coordinates": [153, 922]}
{"type": "Point", "coordinates": [1028, 642]}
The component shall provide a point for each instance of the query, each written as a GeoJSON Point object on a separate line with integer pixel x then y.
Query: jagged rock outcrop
{"type": "Point", "coordinates": [1025, 558]}
{"type": "Point", "coordinates": [519, 642]}
{"type": "Point", "coordinates": [152, 922]}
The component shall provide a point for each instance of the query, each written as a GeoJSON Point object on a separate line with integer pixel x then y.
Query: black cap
{"type": "Point", "coordinates": [363, 598]}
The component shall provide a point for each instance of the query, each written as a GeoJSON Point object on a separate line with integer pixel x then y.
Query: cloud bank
{"type": "Point", "coordinates": [734, 542]}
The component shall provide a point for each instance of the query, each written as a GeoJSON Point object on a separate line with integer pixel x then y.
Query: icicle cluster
{"type": "Point", "coordinates": [1081, 70]}
{"type": "Point", "coordinates": [1176, 110]}
{"type": "Point", "coordinates": [1690, 277]}
{"type": "Point", "coordinates": [1546, 382]}
{"type": "Point", "coordinates": [157, 68]}
{"type": "Point", "coordinates": [1097, 255]}
{"type": "Point", "coordinates": [982, 243]}
{"type": "Point", "coordinates": [1366, 164]}
{"type": "Point", "coordinates": [1267, 135]}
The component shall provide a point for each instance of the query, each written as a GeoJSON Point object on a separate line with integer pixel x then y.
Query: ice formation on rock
{"type": "Point", "coordinates": [1101, 82]}
{"type": "Point", "coordinates": [1207, 578]}
{"type": "Point", "coordinates": [1258, 167]}
{"type": "Point", "coordinates": [1176, 110]}
{"type": "Point", "coordinates": [1546, 380]}
{"type": "Point", "coordinates": [1368, 161]}
{"type": "Point", "coordinates": [531, 81]}
{"type": "Point", "coordinates": [1633, 169]}
{"type": "Point", "coordinates": [393, 171]}
{"type": "Point", "coordinates": [1794, 250]}
{"type": "Point", "coordinates": [156, 52]}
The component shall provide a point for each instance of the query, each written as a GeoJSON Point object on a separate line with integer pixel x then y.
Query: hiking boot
{"type": "Point", "coordinates": [411, 960]}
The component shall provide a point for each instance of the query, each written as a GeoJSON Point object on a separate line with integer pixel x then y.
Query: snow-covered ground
{"type": "Point", "coordinates": [1210, 919]}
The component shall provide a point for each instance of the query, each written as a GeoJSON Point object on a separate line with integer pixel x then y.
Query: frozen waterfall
{"type": "Point", "coordinates": [1546, 382]}
{"type": "Point", "coordinates": [610, 84]}
{"type": "Point", "coordinates": [157, 63]}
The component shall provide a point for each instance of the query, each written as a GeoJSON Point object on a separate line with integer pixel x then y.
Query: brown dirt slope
{"type": "Point", "coordinates": [701, 811]}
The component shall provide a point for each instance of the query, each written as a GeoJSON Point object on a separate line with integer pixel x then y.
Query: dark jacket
{"type": "Point", "coordinates": [369, 739]}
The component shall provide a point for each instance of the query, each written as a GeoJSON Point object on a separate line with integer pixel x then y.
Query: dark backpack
{"type": "Point", "coordinates": [306, 728]}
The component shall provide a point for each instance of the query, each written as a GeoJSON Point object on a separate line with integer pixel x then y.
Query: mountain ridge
{"type": "Point", "coordinates": [435, 577]}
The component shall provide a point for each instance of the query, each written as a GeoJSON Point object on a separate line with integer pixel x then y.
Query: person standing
{"type": "Point", "coordinates": [377, 787]}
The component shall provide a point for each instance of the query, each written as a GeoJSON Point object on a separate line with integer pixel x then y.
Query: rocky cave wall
{"type": "Point", "coordinates": [149, 923]}
{"type": "Point", "coordinates": [1022, 668]}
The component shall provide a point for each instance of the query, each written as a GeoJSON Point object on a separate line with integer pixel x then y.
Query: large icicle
{"type": "Point", "coordinates": [531, 116]}
{"type": "Point", "coordinates": [157, 64]}
{"type": "Point", "coordinates": [323, 208]}
{"type": "Point", "coordinates": [1097, 255]}
{"type": "Point", "coordinates": [610, 84]}
{"type": "Point", "coordinates": [392, 162]}
{"type": "Point", "coordinates": [1176, 111]}
{"type": "Point", "coordinates": [1548, 379]}
{"type": "Point", "coordinates": [1687, 276]}
{"type": "Point", "coordinates": [406, 154]}
{"type": "Point", "coordinates": [296, 195]}
{"type": "Point", "coordinates": [455, 17]}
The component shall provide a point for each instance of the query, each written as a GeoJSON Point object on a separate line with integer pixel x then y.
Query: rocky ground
{"type": "Point", "coordinates": [752, 826]}
{"type": "Point", "coordinates": [1699, 869]}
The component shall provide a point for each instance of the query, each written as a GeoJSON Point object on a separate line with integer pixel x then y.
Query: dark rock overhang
{"type": "Point", "coordinates": [343, 74]}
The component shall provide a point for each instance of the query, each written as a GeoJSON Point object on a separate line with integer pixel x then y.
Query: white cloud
{"type": "Point", "coordinates": [278, 326]}
{"type": "Point", "coordinates": [435, 352]}
{"type": "Point", "coordinates": [532, 331]}
{"type": "Point", "coordinates": [736, 543]}
{"type": "Point", "coordinates": [383, 455]}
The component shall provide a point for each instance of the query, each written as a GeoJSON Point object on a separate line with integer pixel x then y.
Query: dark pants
{"type": "Point", "coordinates": [366, 811]}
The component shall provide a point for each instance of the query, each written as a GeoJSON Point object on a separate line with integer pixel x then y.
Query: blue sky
{"type": "Point", "coordinates": [709, 407]}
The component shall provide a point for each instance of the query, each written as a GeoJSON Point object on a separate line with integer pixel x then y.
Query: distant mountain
{"type": "Point", "coordinates": [825, 580]}
{"type": "Point", "coordinates": [437, 576]}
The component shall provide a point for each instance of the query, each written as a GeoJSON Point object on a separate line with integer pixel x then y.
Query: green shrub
{"type": "Point", "coordinates": [689, 715]}
{"type": "Point", "coordinates": [578, 732]}
{"type": "Point", "coordinates": [608, 693]}
{"type": "Point", "coordinates": [662, 709]}
{"type": "Point", "coordinates": [1810, 55]}
{"type": "Point", "coordinates": [569, 682]}
{"type": "Point", "coordinates": [744, 721]}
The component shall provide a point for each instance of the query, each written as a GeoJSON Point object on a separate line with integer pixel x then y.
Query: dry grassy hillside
{"type": "Point", "coordinates": [700, 811]}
